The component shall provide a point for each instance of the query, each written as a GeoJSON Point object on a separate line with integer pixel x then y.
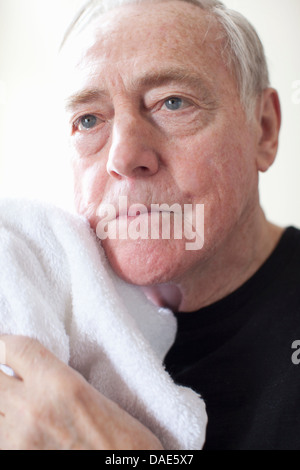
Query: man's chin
{"type": "Point", "coordinates": [146, 262]}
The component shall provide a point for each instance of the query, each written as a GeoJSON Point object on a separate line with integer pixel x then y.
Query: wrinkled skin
{"type": "Point", "coordinates": [204, 152]}
{"type": "Point", "coordinates": [51, 407]}
{"type": "Point", "coordinates": [124, 70]}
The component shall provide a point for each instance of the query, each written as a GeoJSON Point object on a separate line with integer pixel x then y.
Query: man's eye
{"type": "Point", "coordinates": [174, 103]}
{"type": "Point", "coordinates": [86, 122]}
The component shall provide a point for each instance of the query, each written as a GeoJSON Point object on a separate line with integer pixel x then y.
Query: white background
{"type": "Point", "coordinates": [33, 149]}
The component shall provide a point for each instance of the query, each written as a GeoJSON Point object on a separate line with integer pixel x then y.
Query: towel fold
{"type": "Point", "coordinates": [57, 286]}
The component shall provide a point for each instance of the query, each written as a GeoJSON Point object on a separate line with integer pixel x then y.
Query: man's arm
{"type": "Point", "coordinates": [51, 407]}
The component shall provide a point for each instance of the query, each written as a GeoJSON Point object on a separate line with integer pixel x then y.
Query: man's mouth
{"type": "Point", "coordinates": [138, 210]}
{"type": "Point", "coordinates": [157, 221]}
{"type": "Point", "coordinates": [110, 212]}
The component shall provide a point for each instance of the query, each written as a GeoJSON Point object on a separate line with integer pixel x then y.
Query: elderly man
{"type": "Point", "coordinates": [169, 102]}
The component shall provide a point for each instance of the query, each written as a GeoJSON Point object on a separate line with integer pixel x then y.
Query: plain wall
{"type": "Point", "coordinates": [33, 148]}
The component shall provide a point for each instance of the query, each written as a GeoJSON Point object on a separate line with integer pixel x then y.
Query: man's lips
{"type": "Point", "coordinates": [133, 214]}
{"type": "Point", "coordinates": [110, 212]}
{"type": "Point", "coordinates": [135, 210]}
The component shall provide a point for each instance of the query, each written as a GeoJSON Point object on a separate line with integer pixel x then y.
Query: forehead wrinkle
{"type": "Point", "coordinates": [172, 76]}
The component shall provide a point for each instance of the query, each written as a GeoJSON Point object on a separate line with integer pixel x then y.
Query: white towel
{"type": "Point", "coordinates": [57, 286]}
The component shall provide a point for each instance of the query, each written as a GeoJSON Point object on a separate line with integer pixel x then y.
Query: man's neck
{"type": "Point", "coordinates": [233, 264]}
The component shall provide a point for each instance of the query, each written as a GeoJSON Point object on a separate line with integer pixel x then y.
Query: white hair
{"type": "Point", "coordinates": [243, 49]}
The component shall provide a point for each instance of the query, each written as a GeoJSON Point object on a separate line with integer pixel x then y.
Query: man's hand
{"type": "Point", "coordinates": [50, 406]}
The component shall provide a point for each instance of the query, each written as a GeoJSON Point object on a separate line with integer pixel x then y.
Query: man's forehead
{"type": "Point", "coordinates": [152, 11]}
{"type": "Point", "coordinates": [141, 40]}
{"type": "Point", "coordinates": [144, 28]}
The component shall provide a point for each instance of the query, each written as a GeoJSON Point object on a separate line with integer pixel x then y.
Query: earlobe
{"type": "Point", "coordinates": [269, 127]}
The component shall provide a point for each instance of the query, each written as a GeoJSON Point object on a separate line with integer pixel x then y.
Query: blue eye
{"type": "Point", "coordinates": [173, 104]}
{"type": "Point", "coordinates": [88, 122]}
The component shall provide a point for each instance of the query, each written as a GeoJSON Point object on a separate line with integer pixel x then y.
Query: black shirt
{"type": "Point", "coordinates": [237, 353]}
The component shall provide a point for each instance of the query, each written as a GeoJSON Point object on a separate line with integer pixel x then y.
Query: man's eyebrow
{"type": "Point", "coordinates": [83, 97]}
{"type": "Point", "coordinates": [200, 83]}
{"type": "Point", "coordinates": [148, 80]}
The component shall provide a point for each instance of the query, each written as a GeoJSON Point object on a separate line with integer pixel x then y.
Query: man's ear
{"type": "Point", "coordinates": [269, 122]}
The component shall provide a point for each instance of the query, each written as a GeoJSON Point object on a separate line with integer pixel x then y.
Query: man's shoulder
{"type": "Point", "coordinates": [292, 231]}
{"type": "Point", "coordinates": [290, 244]}
{"type": "Point", "coordinates": [283, 269]}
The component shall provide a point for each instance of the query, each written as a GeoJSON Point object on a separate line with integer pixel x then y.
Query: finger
{"type": "Point", "coordinates": [8, 387]}
{"type": "Point", "coordinates": [3, 367]}
{"type": "Point", "coordinates": [26, 355]}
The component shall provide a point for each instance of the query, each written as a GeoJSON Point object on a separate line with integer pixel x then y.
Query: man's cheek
{"type": "Point", "coordinates": [88, 145]}
{"type": "Point", "coordinates": [89, 187]}
{"type": "Point", "coordinates": [196, 163]}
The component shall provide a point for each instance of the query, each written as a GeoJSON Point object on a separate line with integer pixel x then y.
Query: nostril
{"type": "Point", "coordinates": [144, 169]}
{"type": "Point", "coordinates": [141, 170]}
{"type": "Point", "coordinates": [114, 174]}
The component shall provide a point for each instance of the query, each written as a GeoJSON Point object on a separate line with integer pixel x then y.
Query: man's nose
{"type": "Point", "coordinates": [132, 152]}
